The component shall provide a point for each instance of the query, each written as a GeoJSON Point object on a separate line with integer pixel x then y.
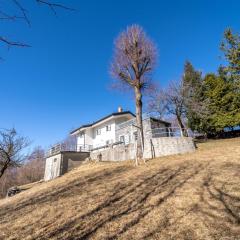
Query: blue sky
{"type": "Point", "coordinates": [62, 81]}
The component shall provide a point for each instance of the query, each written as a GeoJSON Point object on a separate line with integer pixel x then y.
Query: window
{"type": "Point", "coordinates": [81, 135]}
{"type": "Point", "coordinates": [107, 142]}
{"type": "Point", "coordinates": [98, 132]}
{"type": "Point", "coordinates": [122, 139]}
{"type": "Point", "coordinates": [135, 134]}
{"type": "Point", "coordinates": [108, 128]}
{"type": "Point", "coordinates": [127, 140]}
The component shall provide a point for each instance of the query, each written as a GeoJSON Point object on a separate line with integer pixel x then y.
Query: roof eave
{"type": "Point", "coordinates": [76, 131]}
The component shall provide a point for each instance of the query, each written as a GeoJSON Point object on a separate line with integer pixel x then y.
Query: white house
{"type": "Point", "coordinates": [101, 132]}
{"type": "Point", "coordinates": [116, 127]}
{"type": "Point", "coordinates": [113, 137]}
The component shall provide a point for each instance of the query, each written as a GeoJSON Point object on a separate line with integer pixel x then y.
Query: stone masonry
{"type": "Point", "coordinates": [154, 147]}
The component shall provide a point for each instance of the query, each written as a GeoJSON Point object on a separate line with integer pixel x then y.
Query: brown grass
{"type": "Point", "coordinates": [190, 196]}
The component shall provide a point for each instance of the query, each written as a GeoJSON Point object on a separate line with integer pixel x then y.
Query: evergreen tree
{"type": "Point", "coordinates": [223, 105]}
{"type": "Point", "coordinates": [231, 49]}
{"type": "Point", "coordinates": [192, 90]}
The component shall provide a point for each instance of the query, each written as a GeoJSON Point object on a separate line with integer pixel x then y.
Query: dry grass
{"type": "Point", "coordinates": [190, 196]}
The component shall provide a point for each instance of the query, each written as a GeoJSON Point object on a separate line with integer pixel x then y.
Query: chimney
{"type": "Point", "coordinates": [120, 109]}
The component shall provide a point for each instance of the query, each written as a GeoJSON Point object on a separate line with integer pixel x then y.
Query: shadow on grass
{"type": "Point", "coordinates": [220, 202]}
{"type": "Point", "coordinates": [132, 199]}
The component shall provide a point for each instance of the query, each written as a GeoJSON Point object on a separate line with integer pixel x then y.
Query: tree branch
{"type": "Point", "coordinates": [13, 43]}
{"type": "Point", "coordinates": [52, 5]}
{"type": "Point", "coordinates": [23, 10]}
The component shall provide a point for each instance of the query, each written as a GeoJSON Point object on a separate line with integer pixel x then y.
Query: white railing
{"type": "Point", "coordinates": [64, 148]}
{"type": "Point", "coordinates": [168, 132]}
{"type": "Point", "coordinates": [132, 121]}
{"type": "Point", "coordinates": [126, 124]}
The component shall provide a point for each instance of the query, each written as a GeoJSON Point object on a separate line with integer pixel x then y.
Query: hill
{"type": "Point", "coordinates": [190, 196]}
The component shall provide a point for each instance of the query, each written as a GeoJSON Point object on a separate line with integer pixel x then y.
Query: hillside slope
{"type": "Point", "coordinates": [190, 196]}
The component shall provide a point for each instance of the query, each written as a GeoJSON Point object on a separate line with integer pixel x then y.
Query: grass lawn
{"type": "Point", "coordinates": [189, 196]}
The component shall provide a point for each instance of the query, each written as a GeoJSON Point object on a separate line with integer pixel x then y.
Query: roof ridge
{"type": "Point", "coordinates": [101, 119]}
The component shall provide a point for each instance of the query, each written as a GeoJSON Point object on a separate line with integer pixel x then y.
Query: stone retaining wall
{"type": "Point", "coordinates": [154, 147]}
{"type": "Point", "coordinates": [119, 152]}
{"type": "Point", "coordinates": [163, 146]}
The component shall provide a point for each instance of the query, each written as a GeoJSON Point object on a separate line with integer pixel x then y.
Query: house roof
{"type": "Point", "coordinates": [160, 120]}
{"type": "Point", "coordinates": [102, 119]}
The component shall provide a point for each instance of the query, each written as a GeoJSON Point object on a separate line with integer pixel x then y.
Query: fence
{"type": "Point", "coordinates": [127, 138]}
{"type": "Point", "coordinates": [168, 132]}
{"type": "Point", "coordinates": [63, 148]}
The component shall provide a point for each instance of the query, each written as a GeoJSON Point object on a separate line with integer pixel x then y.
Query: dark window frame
{"type": "Point", "coordinates": [122, 138]}
{"type": "Point", "coordinates": [98, 131]}
{"type": "Point", "coordinates": [108, 128]}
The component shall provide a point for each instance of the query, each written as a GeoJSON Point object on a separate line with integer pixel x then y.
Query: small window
{"type": "Point", "coordinates": [55, 159]}
{"type": "Point", "coordinates": [122, 139]}
{"type": "Point", "coordinates": [135, 135]}
{"type": "Point", "coordinates": [108, 128]}
{"type": "Point", "coordinates": [98, 132]}
{"type": "Point", "coordinates": [107, 142]}
{"type": "Point", "coordinates": [81, 135]}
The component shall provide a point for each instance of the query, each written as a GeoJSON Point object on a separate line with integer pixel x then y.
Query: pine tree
{"type": "Point", "coordinates": [231, 49]}
{"type": "Point", "coordinates": [192, 90]}
{"type": "Point", "coordinates": [223, 105]}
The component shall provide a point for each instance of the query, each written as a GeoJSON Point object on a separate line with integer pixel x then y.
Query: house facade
{"type": "Point", "coordinates": [101, 132]}
{"type": "Point", "coordinates": [114, 138]}
{"type": "Point", "coordinates": [114, 128]}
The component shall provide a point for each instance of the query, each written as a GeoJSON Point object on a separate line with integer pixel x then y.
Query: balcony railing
{"type": "Point", "coordinates": [168, 132]}
{"type": "Point", "coordinates": [125, 124]}
{"type": "Point", "coordinates": [65, 148]}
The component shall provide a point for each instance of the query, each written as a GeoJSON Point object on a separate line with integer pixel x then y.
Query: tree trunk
{"type": "Point", "coordinates": [140, 138]}
{"type": "Point", "coordinates": [182, 128]}
{"type": "Point", "coordinates": [3, 169]}
{"type": "Point", "coordinates": [5, 164]}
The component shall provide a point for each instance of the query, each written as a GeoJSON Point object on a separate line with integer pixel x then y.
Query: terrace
{"type": "Point", "coordinates": [61, 147]}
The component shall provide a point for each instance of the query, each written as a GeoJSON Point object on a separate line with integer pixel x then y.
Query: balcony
{"type": "Point", "coordinates": [68, 148]}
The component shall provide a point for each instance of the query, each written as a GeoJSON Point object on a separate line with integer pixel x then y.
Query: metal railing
{"type": "Point", "coordinates": [64, 148]}
{"type": "Point", "coordinates": [132, 121]}
{"type": "Point", "coordinates": [126, 124]}
{"type": "Point", "coordinates": [168, 132]}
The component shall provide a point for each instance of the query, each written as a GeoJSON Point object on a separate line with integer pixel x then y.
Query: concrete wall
{"type": "Point", "coordinates": [120, 152]}
{"type": "Point", "coordinates": [163, 146]}
{"type": "Point", "coordinates": [61, 163]}
{"type": "Point", "coordinates": [73, 159]}
{"type": "Point", "coordinates": [155, 147]}
{"type": "Point", "coordinates": [53, 167]}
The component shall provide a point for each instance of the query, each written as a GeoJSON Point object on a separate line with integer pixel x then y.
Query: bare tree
{"type": "Point", "coordinates": [70, 143]}
{"type": "Point", "coordinates": [170, 101]}
{"type": "Point", "coordinates": [19, 12]}
{"type": "Point", "coordinates": [156, 103]}
{"type": "Point", "coordinates": [11, 146]}
{"type": "Point", "coordinates": [33, 168]}
{"type": "Point", "coordinates": [175, 103]}
{"type": "Point", "coordinates": [132, 64]}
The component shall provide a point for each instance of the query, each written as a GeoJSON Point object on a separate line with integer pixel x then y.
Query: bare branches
{"type": "Point", "coordinates": [52, 5]}
{"type": "Point", "coordinates": [134, 57]}
{"type": "Point", "coordinates": [11, 145]}
{"type": "Point", "coordinates": [23, 11]}
{"type": "Point", "coordinates": [23, 15]}
{"type": "Point", "coordinates": [170, 100]}
{"type": "Point", "coordinates": [10, 43]}
{"type": "Point", "coordinates": [156, 101]}
{"type": "Point", "coordinates": [6, 16]}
